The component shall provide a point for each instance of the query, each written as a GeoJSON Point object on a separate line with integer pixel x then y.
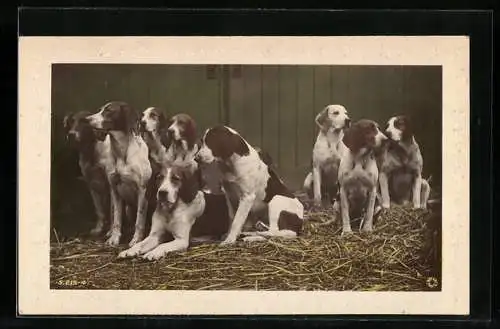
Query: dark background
{"type": "Point", "coordinates": [271, 106]}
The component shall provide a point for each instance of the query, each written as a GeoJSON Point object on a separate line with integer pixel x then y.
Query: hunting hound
{"type": "Point", "coordinates": [128, 168]}
{"type": "Point", "coordinates": [358, 174]}
{"type": "Point", "coordinates": [401, 166]}
{"type": "Point", "coordinates": [92, 161]}
{"type": "Point", "coordinates": [321, 182]}
{"type": "Point", "coordinates": [184, 211]}
{"type": "Point", "coordinates": [249, 180]}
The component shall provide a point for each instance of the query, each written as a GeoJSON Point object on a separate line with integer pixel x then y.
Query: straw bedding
{"type": "Point", "coordinates": [401, 254]}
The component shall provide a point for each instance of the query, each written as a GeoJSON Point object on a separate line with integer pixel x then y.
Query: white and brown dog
{"type": "Point", "coordinates": [321, 182]}
{"type": "Point", "coordinates": [254, 185]}
{"type": "Point", "coordinates": [128, 168]}
{"type": "Point", "coordinates": [180, 138]}
{"type": "Point", "coordinates": [358, 174]}
{"type": "Point", "coordinates": [153, 125]}
{"type": "Point", "coordinates": [172, 139]}
{"type": "Point", "coordinates": [401, 165]}
{"type": "Point", "coordinates": [184, 211]}
{"type": "Point", "coordinates": [92, 161]}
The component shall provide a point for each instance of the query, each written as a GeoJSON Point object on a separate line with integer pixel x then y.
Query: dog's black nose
{"type": "Point", "coordinates": [388, 134]}
{"type": "Point", "coordinates": [142, 123]}
{"type": "Point", "coordinates": [162, 195]}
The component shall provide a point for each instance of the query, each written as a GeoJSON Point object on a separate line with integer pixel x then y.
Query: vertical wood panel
{"type": "Point", "coordinates": [339, 84]}
{"type": "Point", "coordinates": [138, 88]}
{"type": "Point", "coordinates": [270, 110]}
{"type": "Point", "coordinates": [157, 86]}
{"type": "Point", "coordinates": [287, 119]}
{"type": "Point", "coordinates": [354, 92]}
{"type": "Point", "coordinates": [252, 104]}
{"type": "Point", "coordinates": [321, 88]}
{"type": "Point", "coordinates": [305, 116]}
{"type": "Point", "coordinates": [236, 105]}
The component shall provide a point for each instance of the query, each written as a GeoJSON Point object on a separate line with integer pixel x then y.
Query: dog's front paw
{"type": "Point", "coordinates": [113, 240]}
{"type": "Point", "coordinates": [135, 239]}
{"type": "Point", "coordinates": [131, 252]}
{"type": "Point", "coordinates": [386, 205]}
{"type": "Point", "coordinates": [154, 254]}
{"type": "Point", "coordinates": [418, 206]}
{"type": "Point", "coordinates": [346, 231]}
{"type": "Point", "coordinates": [367, 229]}
{"type": "Point", "coordinates": [228, 241]}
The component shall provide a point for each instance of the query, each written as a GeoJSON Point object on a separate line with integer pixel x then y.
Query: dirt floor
{"type": "Point", "coordinates": [401, 254]}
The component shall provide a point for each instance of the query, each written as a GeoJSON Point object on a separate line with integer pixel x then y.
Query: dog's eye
{"type": "Point", "coordinates": [335, 112]}
{"type": "Point", "coordinates": [175, 178]}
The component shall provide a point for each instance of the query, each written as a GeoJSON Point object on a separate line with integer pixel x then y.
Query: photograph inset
{"type": "Point", "coordinates": [246, 177]}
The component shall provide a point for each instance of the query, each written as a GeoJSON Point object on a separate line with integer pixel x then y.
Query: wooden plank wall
{"type": "Point", "coordinates": [291, 96]}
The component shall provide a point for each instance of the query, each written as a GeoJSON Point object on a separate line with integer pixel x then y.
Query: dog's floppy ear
{"type": "Point", "coordinates": [68, 118]}
{"type": "Point", "coordinates": [264, 156]}
{"type": "Point", "coordinates": [225, 143]}
{"type": "Point", "coordinates": [131, 118]}
{"type": "Point", "coordinates": [190, 183]}
{"type": "Point", "coordinates": [162, 121]}
{"type": "Point", "coordinates": [353, 138]}
{"type": "Point", "coordinates": [190, 133]}
{"type": "Point", "coordinates": [166, 138]}
{"type": "Point", "coordinates": [322, 120]}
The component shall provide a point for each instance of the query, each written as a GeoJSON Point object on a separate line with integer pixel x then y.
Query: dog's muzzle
{"type": "Point", "coordinates": [162, 197]}
{"type": "Point", "coordinates": [100, 134]}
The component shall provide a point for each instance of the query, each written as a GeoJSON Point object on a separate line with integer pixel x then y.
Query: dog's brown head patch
{"type": "Point", "coordinates": [119, 116]}
{"type": "Point", "coordinates": [188, 179]}
{"type": "Point", "coordinates": [361, 134]}
{"type": "Point", "coordinates": [224, 142]}
{"type": "Point", "coordinates": [186, 127]}
{"type": "Point", "coordinates": [153, 118]}
{"type": "Point", "coordinates": [403, 123]}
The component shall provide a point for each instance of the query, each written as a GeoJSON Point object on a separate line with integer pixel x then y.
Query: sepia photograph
{"type": "Point", "coordinates": [248, 175]}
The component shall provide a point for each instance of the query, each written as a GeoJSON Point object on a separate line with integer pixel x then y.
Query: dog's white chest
{"type": "Point", "coordinates": [325, 151]}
